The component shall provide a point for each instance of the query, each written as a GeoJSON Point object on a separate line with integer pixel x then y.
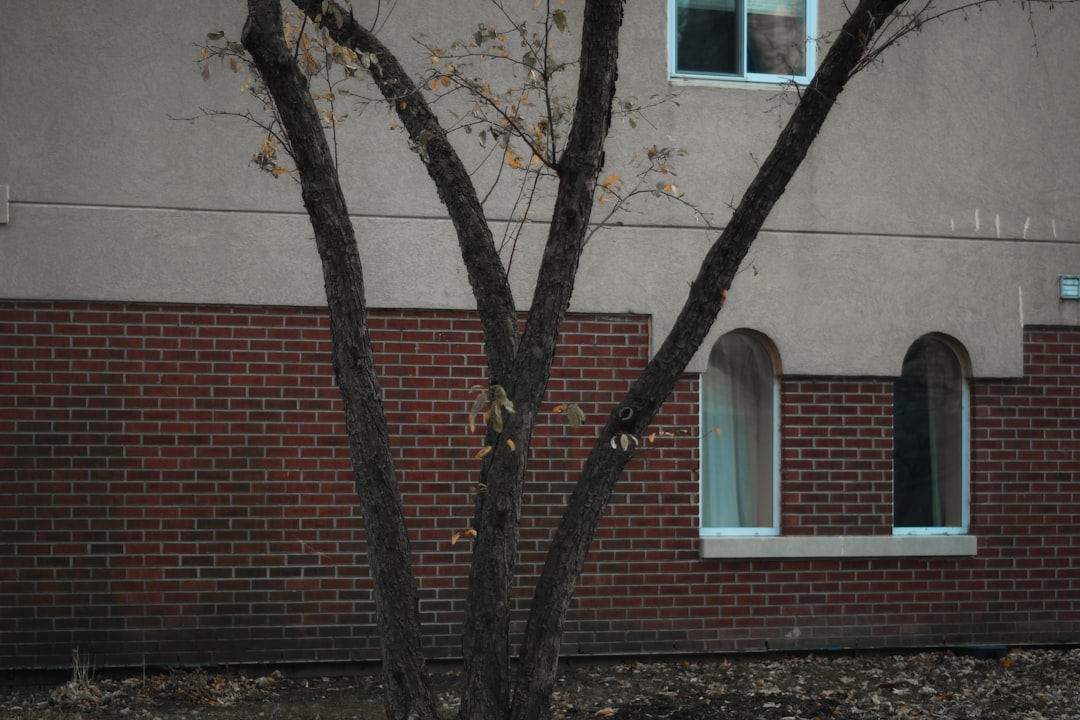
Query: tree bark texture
{"type": "Point", "coordinates": [570, 545]}
{"type": "Point", "coordinates": [397, 608]}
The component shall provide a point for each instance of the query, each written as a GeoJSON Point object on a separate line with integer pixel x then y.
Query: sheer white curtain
{"type": "Point", "coordinates": [737, 474]}
{"type": "Point", "coordinates": [776, 37]}
{"type": "Point", "coordinates": [945, 394]}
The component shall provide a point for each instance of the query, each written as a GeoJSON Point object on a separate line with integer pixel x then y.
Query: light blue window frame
{"type": "Point", "coordinates": [963, 468]}
{"type": "Point", "coordinates": [743, 75]}
{"type": "Point", "coordinates": [714, 436]}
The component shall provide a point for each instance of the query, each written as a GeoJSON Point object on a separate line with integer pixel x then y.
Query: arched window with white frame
{"type": "Point", "coordinates": [740, 438]}
{"type": "Point", "coordinates": [930, 440]}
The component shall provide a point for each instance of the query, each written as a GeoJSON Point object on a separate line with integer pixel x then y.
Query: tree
{"type": "Point", "coordinates": [519, 363]}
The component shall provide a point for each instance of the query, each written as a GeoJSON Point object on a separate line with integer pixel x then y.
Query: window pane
{"type": "Point", "coordinates": [707, 36]}
{"type": "Point", "coordinates": [737, 462]}
{"type": "Point", "coordinates": [735, 37]}
{"type": "Point", "coordinates": [928, 427]}
{"type": "Point", "coordinates": [776, 37]}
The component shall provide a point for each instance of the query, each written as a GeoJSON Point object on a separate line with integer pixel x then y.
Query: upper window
{"type": "Point", "coordinates": [754, 40]}
{"type": "Point", "coordinates": [930, 441]}
{"type": "Point", "coordinates": [740, 425]}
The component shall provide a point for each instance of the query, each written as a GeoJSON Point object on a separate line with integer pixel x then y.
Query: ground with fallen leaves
{"type": "Point", "coordinates": [1024, 684]}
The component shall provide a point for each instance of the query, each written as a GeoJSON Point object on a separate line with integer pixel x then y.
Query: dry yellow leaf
{"type": "Point", "coordinates": [470, 533]}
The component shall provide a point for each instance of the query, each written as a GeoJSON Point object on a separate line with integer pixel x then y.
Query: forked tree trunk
{"type": "Point", "coordinates": [486, 632]}
{"type": "Point", "coordinates": [523, 370]}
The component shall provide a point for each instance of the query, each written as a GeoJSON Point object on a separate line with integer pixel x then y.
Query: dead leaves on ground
{"type": "Point", "coordinates": [197, 687]}
{"type": "Point", "coordinates": [1032, 684]}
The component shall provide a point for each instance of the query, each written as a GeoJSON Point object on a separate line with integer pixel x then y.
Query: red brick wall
{"type": "Point", "coordinates": [178, 490]}
{"type": "Point", "coordinates": [836, 456]}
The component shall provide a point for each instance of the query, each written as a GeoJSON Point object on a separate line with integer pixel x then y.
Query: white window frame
{"type": "Point", "coordinates": [743, 78]}
{"type": "Point", "coordinates": [965, 453]}
{"type": "Point", "coordinates": [749, 531]}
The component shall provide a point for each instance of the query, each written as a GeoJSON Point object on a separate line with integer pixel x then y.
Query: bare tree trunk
{"type": "Point", "coordinates": [405, 676]}
{"type": "Point", "coordinates": [570, 545]}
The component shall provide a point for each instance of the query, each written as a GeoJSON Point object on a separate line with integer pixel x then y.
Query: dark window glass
{"type": "Point", "coordinates": [928, 438]}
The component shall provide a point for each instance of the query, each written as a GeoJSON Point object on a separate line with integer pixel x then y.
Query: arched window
{"type": "Point", "coordinates": [740, 421]}
{"type": "Point", "coordinates": [930, 445]}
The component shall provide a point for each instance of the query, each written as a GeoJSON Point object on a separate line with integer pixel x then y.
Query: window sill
{"type": "Point", "coordinates": [841, 546]}
{"type": "Point", "coordinates": [737, 82]}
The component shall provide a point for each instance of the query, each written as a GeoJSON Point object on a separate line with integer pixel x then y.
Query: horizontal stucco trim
{"type": "Point", "coordinates": [837, 305]}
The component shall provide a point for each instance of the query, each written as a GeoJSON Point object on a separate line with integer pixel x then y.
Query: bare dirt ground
{"type": "Point", "coordinates": [1024, 684]}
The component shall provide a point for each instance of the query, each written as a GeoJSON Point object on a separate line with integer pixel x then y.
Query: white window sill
{"type": "Point", "coordinates": [737, 82]}
{"type": "Point", "coordinates": [841, 546]}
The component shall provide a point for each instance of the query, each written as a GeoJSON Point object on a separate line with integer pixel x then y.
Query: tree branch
{"type": "Point", "coordinates": [490, 285]}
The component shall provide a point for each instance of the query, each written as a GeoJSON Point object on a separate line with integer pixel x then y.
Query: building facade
{"type": "Point", "coordinates": [878, 445]}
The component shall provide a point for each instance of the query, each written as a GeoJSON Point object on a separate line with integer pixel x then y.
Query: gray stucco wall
{"type": "Point", "coordinates": [941, 196]}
